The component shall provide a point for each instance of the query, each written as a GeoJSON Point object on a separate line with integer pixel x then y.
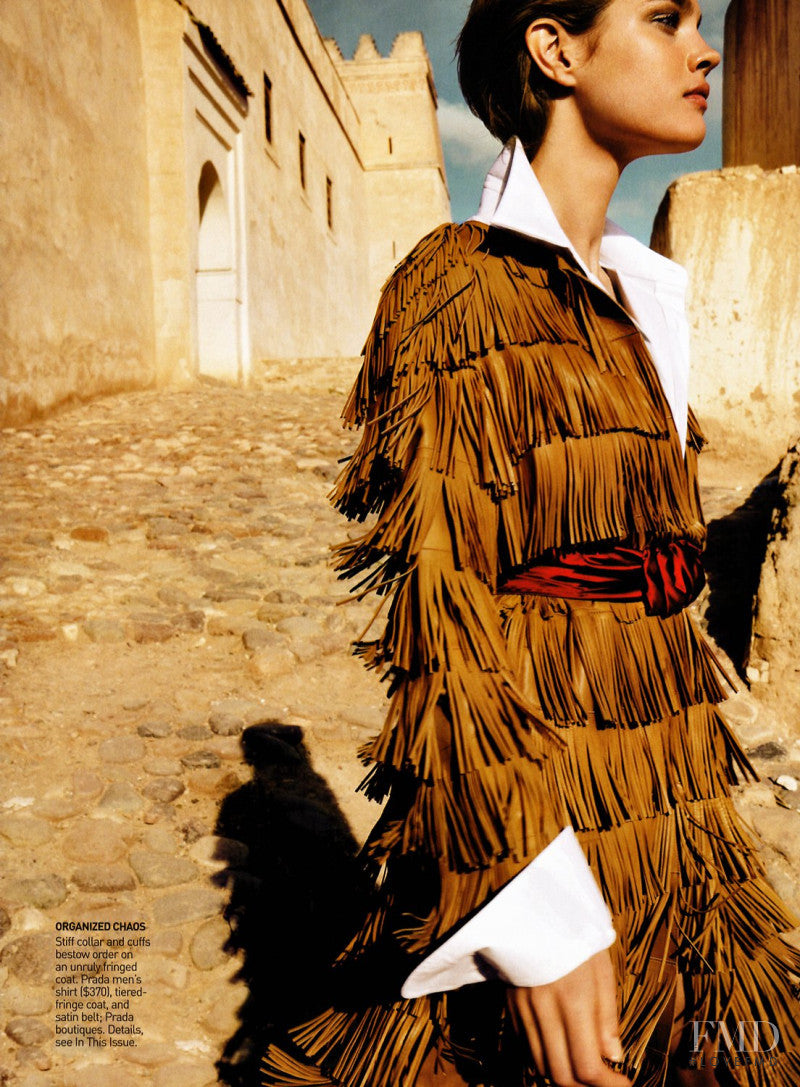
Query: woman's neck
{"type": "Point", "coordinates": [579, 178]}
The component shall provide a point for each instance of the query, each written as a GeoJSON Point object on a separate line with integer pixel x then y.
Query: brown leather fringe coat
{"type": "Point", "coordinates": [508, 407]}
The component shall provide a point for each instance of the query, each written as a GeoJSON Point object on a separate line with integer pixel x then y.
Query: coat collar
{"type": "Point", "coordinates": [653, 287]}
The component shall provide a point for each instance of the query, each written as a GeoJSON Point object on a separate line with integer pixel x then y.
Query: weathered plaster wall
{"type": "Point", "coordinates": [307, 281]}
{"type": "Point", "coordinates": [154, 231]}
{"type": "Point", "coordinates": [170, 230]}
{"type": "Point", "coordinates": [736, 232]}
{"type": "Point", "coordinates": [775, 658]}
{"type": "Point", "coordinates": [76, 300]}
{"type": "Point", "coordinates": [761, 119]}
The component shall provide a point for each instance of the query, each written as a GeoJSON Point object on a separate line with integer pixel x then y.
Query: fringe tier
{"type": "Point", "coordinates": [509, 407]}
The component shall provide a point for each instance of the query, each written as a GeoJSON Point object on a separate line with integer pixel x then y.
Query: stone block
{"type": "Point", "coordinates": [226, 724]}
{"type": "Point", "coordinates": [121, 797]}
{"type": "Point", "coordinates": [155, 729]}
{"type": "Point", "coordinates": [25, 830]}
{"type": "Point", "coordinates": [98, 841]}
{"type": "Point", "coordinates": [104, 630]}
{"type": "Point", "coordinates": [95, 878]}
{"type": "Point", "coordinates": [43, 891]}
{"type": "Point", "coordinates": [30, 958]}
{"type": "Point", "coordinates": [122, 749]}
{"type": "Point", "coordinates": [195, 733]}
{"type": "Point", "coordinates": [86, 784]}
{"type": "Point", "coordinates": [272, 661]}
{"type": "Point", "coordinates": [28, 1032]}
{"type": "Point", "coordinates": [219, 853]}
{"type": "Point", "coordinates": [160, 869]}
{"type": "Point", "coordinates": [148, 632]}
{"type": "Point", "coordinates": [24, 1001]}
{"type": "Point", "coordinates": [164, 790]}
{"type": "Point", "coordinates": [195, 904]}
{"type": "Point", "coordinates": [196, 760]}
{"type": "Point", "coordinates": [207, 947]}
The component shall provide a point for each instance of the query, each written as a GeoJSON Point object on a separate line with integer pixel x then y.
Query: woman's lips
{"type": "Point", "coordinates": [699, 96]}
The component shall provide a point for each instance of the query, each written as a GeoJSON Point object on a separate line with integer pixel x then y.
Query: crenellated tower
{"type": "Point", "coordinates": [400, 146]}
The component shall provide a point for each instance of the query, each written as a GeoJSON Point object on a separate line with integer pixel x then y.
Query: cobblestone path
{"type": "Point", "coordinates": [179, 716]}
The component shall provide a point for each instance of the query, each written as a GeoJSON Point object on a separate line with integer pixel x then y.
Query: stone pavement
{"type": "Point", "coordinates": [179, 715]}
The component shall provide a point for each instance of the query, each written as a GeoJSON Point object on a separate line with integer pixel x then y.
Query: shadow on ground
{"type": "Point", "coordinates": [737, 545]}
{"type": "Point", "coordinates": [297, 899]}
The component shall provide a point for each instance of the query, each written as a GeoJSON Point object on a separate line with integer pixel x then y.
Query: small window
{"type": "Point", "coordinates": [301, 144]}
{"type": "Point", "coordinates": [268, 108]}
{"type": "Point", "coordinates": [329, 201]}
{"type": "Point", "coordinates": [391, 147]}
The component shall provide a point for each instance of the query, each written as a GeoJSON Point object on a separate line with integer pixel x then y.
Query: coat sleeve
{"type": "Point", "coordinates": [468, 751]}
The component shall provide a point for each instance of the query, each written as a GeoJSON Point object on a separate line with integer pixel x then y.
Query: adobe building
{"type": "Point", "coordinates": [189, 190]}
{"type": "Point", "coordinates": [736, 231]}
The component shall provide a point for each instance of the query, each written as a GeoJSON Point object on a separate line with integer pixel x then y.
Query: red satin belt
{"type": "Point", "coordinates": [667, 577]}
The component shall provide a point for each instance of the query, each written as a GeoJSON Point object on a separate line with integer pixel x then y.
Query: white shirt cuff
{"type": "Point", "coordinates": [542, 925]}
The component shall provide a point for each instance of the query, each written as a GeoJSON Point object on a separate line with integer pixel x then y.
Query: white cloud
{"type": "Point", "coordinates": [466, 140]}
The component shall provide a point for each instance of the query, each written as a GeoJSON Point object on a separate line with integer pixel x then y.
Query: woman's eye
{"type": "Point", "coordinates": [670, 19]}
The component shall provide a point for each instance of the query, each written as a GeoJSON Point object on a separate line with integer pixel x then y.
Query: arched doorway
{"type": "Point", "coordinates": [217, 303]}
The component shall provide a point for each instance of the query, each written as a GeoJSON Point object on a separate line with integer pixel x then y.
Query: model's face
{"type": "Point", "coordinates": [641, 87]}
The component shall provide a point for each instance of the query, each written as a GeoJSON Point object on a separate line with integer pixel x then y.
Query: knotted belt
{"type": "Point", "coordinates": [666, 577]}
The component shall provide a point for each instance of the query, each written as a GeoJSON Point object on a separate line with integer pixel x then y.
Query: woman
{"type": "Point", "coordinates": [553, 726]}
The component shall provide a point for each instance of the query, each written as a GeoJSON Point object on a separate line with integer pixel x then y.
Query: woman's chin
{"type": "Point", "coordinates": [679, 144]}
{"type": "Point", "coordinates": [693, 139]}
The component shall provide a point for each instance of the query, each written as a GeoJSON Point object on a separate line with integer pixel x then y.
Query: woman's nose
{"type": "Point", "coordinates": [706, 59]}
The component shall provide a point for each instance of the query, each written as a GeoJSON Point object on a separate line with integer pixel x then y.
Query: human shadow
{"type": "Point", "coordinates": [296, 899]}
{"type": "Point", "coordinates": [734, 556]}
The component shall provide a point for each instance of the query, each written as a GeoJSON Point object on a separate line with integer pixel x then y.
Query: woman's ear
{"type": "Point", "coordinates": [553, 50]}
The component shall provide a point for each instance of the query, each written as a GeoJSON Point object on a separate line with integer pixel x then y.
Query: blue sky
{"type": "Point", "coordinates": [469, 149]}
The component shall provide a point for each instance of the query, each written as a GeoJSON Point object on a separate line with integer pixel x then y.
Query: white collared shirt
{"type": "Point", "coordinates": [653, 288]}
{"type": "Point", "coordinates": [552, 917]}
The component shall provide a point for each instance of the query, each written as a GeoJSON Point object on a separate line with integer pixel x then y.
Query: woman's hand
{"type": "Point", "coordinates": [571, 1024]}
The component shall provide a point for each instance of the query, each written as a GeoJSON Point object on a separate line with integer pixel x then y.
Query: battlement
{"type": "Point", "coordinates": [374, 81]}
{"type": "Point", "coordinates": [407, 46]}
{"type": "Point", "coordinates": [410, 45]}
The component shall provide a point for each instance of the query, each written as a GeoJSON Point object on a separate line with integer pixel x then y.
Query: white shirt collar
{"type": "Point", "coordinates": [514, 199]}
{"type": "Point", "coordinates": [653, 287]}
